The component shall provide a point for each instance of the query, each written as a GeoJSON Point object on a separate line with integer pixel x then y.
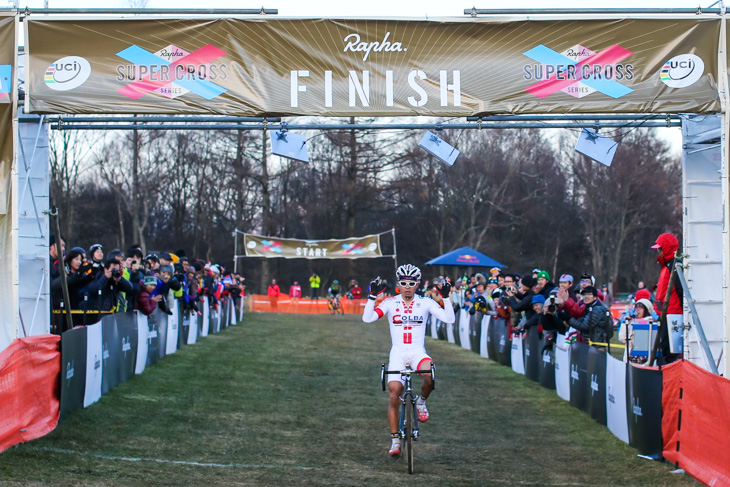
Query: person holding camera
{"type": "Point", "coordinates": [105, 293]}
{"type": "Point", "coordinates": [596, 322]}
{"type": "Point", "coordinates": [520, 301]}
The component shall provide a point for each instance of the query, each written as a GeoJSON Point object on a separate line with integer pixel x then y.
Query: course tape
{"type": "Point", "coordinates": [164, 460]}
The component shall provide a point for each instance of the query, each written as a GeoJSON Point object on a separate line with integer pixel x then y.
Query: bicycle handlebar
{"type": "Point", "coordinates": [407, 372]}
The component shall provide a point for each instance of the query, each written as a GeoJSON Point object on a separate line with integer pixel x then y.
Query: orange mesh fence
{"type": "Point", "coordinates": [29, 403]}
{"type": "Point", "coordinates": [286, 304]}
{"type": "Point", "coordinates": [696, 422]}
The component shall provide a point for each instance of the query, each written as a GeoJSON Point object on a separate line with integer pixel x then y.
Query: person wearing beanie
{"type": "Point", "coordinates": [597, 322]}
{"type": "Point", "coordinates": [666, 246]}
{"type": "Point", "coordinates": [521, 302]}
{"type": "Point", "coordinates": [643, 310]}
{"type": "Point", "coordinates": [544, 285]}
{"type": "Point", "coordinates": [145, 302]}
{"type": "Point", "coordinates": [96, 258]}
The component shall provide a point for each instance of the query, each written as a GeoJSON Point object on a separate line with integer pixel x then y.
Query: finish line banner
{"type": "Point", "coordinates": [290, 248]}
{"type": "Point", "coordinates": [371, 67]}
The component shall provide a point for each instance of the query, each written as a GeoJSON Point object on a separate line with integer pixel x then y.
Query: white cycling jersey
{"type": "Point", "coordinates": [408, 321]}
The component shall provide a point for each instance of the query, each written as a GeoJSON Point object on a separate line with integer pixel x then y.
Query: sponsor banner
{"type": "Point", "coordinates": [192, 320]}
{"type": "Point", "coordinates": [475, 331]}
{"type": "Point", "coordinates": [128, 343]}
{"type": "Point", "coordinates": [153, 337]}
{"type": "Point", "coordinates": [492, 339]}
{"type": "Point", "coordinates": [432, 327]}
{"type": "Point", "coordinates": [579, 380]}
{"type": "Point", "coordinates": [8, 103]}
{"type": "Point", "coordinates": [644, 409]}
{"type": "Point", "coordinates": [503, 343]}
{"type": "Point", "coordinates": [597, 384]}
{"type": "Point", "coordinates": [616, 418]}
{"type": "Point", "coordinates": [215, 318]}
{"type": "Point", "coordinates": [562, 368]}
{"type": "Point", "coordinates": [450, 335]}
{"type": "Point", "coordinates": [518, 355]}
{"type": "Point", "coordinates": [110, 353]}
{"type": "Point", "coordinates": [73, 370]}
{"type": "Point", "coordinates": [172, 326]}
{"type": "Point", "coordinates": [205, 319]}
{"type": "Point", "coordinates": [371, 67]}
{"type": "Point", "coordinates": [291, 248]}
{"type": "Point", "coordinates": [484, 337]}
{"type": "Point", "coordinates": [531, 346]}
{"type": "Point", "coordinates": [182, 325]}
{"type": "Point", "coordinates": [232, 309]}
{"type": "Point", "coordinates": [547, 366]}
{"type": "Point", "coordinates": [464, 323]}
{"type": "Point", "coordinates": [143, 331]}
{"type": "Point", "coordinates": [241, 306]}
{"type": "Point", "coordinates": [93, 364]}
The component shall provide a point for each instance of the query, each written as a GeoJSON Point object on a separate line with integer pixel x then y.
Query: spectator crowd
{"type": "Point", "coordinates": [118, 281]}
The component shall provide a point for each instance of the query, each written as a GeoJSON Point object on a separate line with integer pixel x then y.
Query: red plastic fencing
{"type": "Point", "coordinates": [29, 403]}
{"type": "Point", "coordinates": [696, 422]}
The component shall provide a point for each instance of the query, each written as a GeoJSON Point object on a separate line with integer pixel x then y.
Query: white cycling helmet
{"type": "Point", "coordinates": [409, 272]}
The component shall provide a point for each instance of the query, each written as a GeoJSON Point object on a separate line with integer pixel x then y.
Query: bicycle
{"type": "Point", "coordinates": [335, 306]}
{"type": "Point", "coordinates": [408, 425]}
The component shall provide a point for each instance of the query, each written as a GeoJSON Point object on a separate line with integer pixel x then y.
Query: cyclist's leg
{"type": "Point", "coordinates": [395, 389]}
{"type": "Point", "coordinates": [427, 385]}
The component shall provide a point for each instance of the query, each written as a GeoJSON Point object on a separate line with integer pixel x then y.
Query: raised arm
{"type": "Point", "coordinates": [445, 314]}
{"type": "Point", "coordinates": [371, 314]}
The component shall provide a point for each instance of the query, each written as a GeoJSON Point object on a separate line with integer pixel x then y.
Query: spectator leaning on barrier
{"type": "Point", "coordinates": [596, 322]}
{"type": "Point", "coordinates": [520, 302]}
{"type": "Point", "coordinates": [295, 292]}
{"type": "Point", "coordinates": [544, 285]}
{"type": "Point", "coordinates": [146, 303]}
{"type": "Point", "coordinates": [78, 276]}
{"type": "Point", "coordinates": [642, 310]}
{"type": "Point", "coordinates": [356, 291]}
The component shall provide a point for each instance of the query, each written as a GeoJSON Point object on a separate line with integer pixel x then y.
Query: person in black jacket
{"type": "Point", "coordinates": [596, 322]}
{"type": "Point", "coordinates": [105, 293]}
{"type": "Point", "coordinates": [77, 276]}
{"type": "Point", "coordinates": [521, 301]}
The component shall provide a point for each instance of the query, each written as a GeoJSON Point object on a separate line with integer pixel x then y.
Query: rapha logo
{"type": "Point", "coordinates": [611, 397]}
{"type": "Point", "coordinates": [636, 409]}
{"type": "Point", "coordinates": [126, 345]}
{"type": "Point", "coordinates": [594, 383]}
{"type": "Point", "coordinates": [546, 358]}
{"type": "Point", "coordinates": [502, 342]}
{"type": "Point", "coordinates": [69, 370]}
{"type": "Point", "coordinates": [574, 373]}
{"type": "Point", "coordinates": [97, 362]}
{"type": "Point", "coordinates": [354, 44]}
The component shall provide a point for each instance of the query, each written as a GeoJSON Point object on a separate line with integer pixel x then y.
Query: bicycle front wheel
{"type": "Point", "coordinates": [409, 435]}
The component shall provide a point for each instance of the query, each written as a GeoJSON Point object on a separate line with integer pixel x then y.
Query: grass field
{"type": "Point", "coordinates": [283, 400]}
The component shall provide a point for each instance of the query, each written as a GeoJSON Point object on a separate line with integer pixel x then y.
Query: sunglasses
{"type": "Point", "coordinates": [407, 283]}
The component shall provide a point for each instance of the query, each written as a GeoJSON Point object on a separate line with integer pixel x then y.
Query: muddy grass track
{"type": "Point", "coordinates": [288, 400]}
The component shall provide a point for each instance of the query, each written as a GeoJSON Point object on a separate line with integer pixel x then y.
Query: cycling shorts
{"type": "Point", "coordinates": [417, 358]}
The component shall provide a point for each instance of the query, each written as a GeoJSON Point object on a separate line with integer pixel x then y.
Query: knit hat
{"type": "Point", "coordinates": [647, 304]}
{"type": "Point", "coordinates": [543, 275]}
{"type": "Point", "coordinates": [529, 281]}
{"type": "Point", "coordinates": [642, 294]}
{"type": "Point", "coordinates": [590, 290]}
{"type": "Point", "coordinates": [538, 298]}
{"type": "Point", "coordinates": [166, 268]}
{"type": "Point", "coordinates": [94, 248]}
{"type": "Point", "coordinates": [150, 281]}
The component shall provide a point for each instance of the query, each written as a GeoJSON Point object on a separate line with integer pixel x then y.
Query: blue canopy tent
{"type": "Point", "coordinates": [465, 257]}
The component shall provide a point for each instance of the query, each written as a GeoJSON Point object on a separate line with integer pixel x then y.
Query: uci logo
{"type": "Point", "coordinates": [67, 73]}
{"type": "Point", "coordinates": [682, 71]}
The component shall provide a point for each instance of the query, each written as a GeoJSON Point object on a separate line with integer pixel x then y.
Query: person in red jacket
{"type": "Point", "coordinates": [144, 303]}
{"type": "Point", "coordinates": [274, 293]}
{"type": "Point", "coordinates": [671, 340]}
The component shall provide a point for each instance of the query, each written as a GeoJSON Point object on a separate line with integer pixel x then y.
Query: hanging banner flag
{"type": "Point", "coordinates": [290, 248]}
{"type": "Point", "coordinates": [8, 103]}
{"type": "Point", "coordinates": [372, 67]}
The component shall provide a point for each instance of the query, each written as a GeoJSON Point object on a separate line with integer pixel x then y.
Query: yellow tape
{"type": "Point", "coordinates": [617, 345]}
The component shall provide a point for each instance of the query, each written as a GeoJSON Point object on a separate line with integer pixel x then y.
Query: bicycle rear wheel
{"type": "Point", "coordinates": [409, 434]}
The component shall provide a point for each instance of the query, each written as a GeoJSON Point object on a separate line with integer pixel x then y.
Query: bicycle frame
{"type": "Point", "coordinates": [407, 395]}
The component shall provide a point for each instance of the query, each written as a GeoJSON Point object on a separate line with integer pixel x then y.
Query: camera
{"type": "Point", "coordinates": [510, 288]}
{"type": "Point", "coordinates": [551, 307]}
{"type": "Point", "coordinates": [116, 274]}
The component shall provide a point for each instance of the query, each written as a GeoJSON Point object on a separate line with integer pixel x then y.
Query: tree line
{"type": "Point", "coordinates": [517, 195]}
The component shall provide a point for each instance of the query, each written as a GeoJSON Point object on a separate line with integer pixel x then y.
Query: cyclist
{"type": "Point", "coordinates": [408, 316]}
{"type": "Point", "coordinates": [333, 301]}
